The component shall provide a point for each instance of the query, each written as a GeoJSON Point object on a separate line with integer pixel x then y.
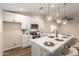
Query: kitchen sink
{"type": "Point", "coordinates": [59, 39]}
{"type": "Point", "coordinates": [51, 36]}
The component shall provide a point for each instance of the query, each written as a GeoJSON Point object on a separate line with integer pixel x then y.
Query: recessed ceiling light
{"type": "Point", "coordinates": [52, 6]}
{"type": "Point", "coordinates": [21, 9]}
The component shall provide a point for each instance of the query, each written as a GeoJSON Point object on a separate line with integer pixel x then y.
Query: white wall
{"type": "Point", "coordinates": [71, 27]}
{"type": "Point", "coordinates": [47, 27]}
{"type": "Point", "coordinates": [1, 33]}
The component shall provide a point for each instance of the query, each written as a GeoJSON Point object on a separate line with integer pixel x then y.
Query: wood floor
{"type": "Point", "coordinates": [18, 52]}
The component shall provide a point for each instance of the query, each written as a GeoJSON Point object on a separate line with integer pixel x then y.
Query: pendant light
{"type": "Point", "coordinates": [49, 17]}
{"type": "Point", "coordinates": [65, 18]}
{"type": "Point", "coordinates": [65, 22]}
{"type": "Point", "coordinates": [58, 14]}
{"type": "Point", "coordinates": [41, 10]}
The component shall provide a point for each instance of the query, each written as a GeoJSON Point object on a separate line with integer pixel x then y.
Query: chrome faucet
{"type": "Point", "coordinates": [56, 33]}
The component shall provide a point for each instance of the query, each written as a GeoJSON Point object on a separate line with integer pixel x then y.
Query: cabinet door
{"type": "Point", "coordinates": [44, 52]}
{"type": "Point", "coordinates": [26, 41]}
{"type": "Point", "coordinates": [36, 50]}
{"type": "Point", "coordinates": [18, 17]}
{"type": "Point", "coordinates": [25, 20]}
{"type": "Point", "coordinates": [9, 16]}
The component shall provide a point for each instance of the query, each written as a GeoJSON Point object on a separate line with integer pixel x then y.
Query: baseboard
{"type": "Point", "coordinates": [12, 47]}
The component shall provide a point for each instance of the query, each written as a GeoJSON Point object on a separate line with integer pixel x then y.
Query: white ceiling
{"type": "Point", "coordinates": [28, 7]}
{"type": "Point", "coordinates": [72, 9]}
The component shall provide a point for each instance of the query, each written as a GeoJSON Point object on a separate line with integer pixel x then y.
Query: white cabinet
{"type": "Point", "coordinates": [25, 20]}
{"type": "Point", "coordinates": [25, 40]}
{"type": "Point", "coordinates": [38, 51]}
{"type": "Point", "coordinates": [9, 16]}
{"type": "Point", "coordinates": [44, 52]}
{"type": "Point", "coordinates": [13, 17]}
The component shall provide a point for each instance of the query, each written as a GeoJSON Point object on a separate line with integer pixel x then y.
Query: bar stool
{"type": "Point", "coordinates": [72, 52]}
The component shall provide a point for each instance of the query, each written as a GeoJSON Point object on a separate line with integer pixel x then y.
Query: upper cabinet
{"type": "Point", "coordinates": [9, 16]}
{"type": "Point", "coordinates": [13, 17]}
{"type": "Point", "coordinates": [25, 20]}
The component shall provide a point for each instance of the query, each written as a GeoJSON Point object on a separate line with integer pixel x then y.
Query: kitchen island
{"type": "Point", "coordinates": [40, 49]}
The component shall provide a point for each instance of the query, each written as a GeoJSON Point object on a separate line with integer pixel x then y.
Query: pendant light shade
{"type": "Point", "coordinates": [59, 20]}
{"type": "Point", "coordinates": [65, 22]}
{"type": "Point", "coordinates": [49, 17]}
{"type": "Point", "coordinates": [65, 18]}
{"type": "Point", "coordinates": [58, 15]}
{"type": "Point", "coordinates": [41, 10]}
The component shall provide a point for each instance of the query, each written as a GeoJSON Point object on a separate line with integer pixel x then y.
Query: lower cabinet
{"type": "Point", "coordinates": [25, 40]}
{"type": "Point", "coordinates": [44, 52]}
{"type": "Point", "coordinates": [38, 51]}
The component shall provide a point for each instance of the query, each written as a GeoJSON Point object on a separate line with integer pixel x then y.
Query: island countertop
{"type": "Point", "coordinates": [57, 44]}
